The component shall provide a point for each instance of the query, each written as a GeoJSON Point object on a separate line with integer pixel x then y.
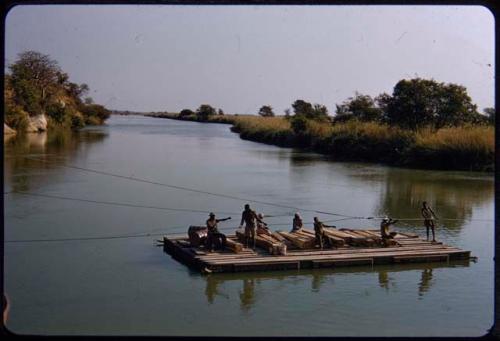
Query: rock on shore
{"type": "Point", "coordinates": [37, 124]}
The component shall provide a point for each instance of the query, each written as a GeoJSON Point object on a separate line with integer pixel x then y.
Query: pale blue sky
{"type": "Point", "coordinates": [238, 58]}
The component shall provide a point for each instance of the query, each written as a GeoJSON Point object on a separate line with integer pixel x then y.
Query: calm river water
{"type": "Point", "coordinates": [128, 286]}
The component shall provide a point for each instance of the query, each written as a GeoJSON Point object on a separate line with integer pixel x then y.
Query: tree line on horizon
{"type": "Point", "coordinates": [414, 104]}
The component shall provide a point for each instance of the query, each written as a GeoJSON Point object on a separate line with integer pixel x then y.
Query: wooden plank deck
{"type": "Point", "coordinates": [410, 249]}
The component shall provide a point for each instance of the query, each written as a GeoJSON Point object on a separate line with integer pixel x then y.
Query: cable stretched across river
{"type": "Point", "coordinates": [195, 190]}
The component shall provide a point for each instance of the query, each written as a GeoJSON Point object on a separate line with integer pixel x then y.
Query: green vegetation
{"type": "Point", "coordinates": [463, 148]}
{"type": "Point", "coordinates": [423, 124]}
{"type": "Point", "coordinates": [37, 87]}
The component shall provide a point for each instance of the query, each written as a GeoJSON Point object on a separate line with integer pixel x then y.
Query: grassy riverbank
{"type": "Point", "coordinates": [466, 147]}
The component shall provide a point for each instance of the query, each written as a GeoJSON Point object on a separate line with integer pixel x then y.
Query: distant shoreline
{"type": "Point", "coordinates": [467, 148]}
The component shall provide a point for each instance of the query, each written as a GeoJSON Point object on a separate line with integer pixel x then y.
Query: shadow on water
{"type": "Point", "coordinates": [319, 279]}
{"type": "Point", "coordinates": [29, 154]}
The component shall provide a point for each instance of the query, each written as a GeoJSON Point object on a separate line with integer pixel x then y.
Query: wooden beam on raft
{"type": "Point", "coordinates": [262, 241]}
{"type": "Point", "coordinates": [234, 245]}
{"type": "Point", "coordinates": [300, 241]}
{"type": "Point", "coordinates": [334, 240]}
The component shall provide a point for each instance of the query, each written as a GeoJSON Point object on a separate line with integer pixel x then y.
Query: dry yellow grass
{"type": "Point", "coordinates": [465, 138]}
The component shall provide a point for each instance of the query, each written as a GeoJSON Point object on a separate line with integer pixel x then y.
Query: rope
{"type": "Point", "coordinates": [194, 190]}
{"type": "Point", "coordinates": [83, 238]}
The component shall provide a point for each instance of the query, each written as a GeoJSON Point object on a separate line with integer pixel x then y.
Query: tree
{"type": "Point", "coordinates": [306, 109]}
{"type": "Point", "coordinates": [299, 124]}
{"type": "Point", "coordinates": [95, 113]}
{"type": "Point", "coordinates": [186, 112]}
{"type": "Point", "coordinates": [420, 102]}
{"type": "Point", "coordinates": [266, 111]}
{"type": "Point", "coordinates": [490, 112]}
{"type": "Point", "coordinates": [204, 111]}
{"type": "Point", "coordinates": [361, 107]}
{"type": "Point", "coordinates": [301, 107]}
{"type": "Point", "coordinates": [34, 79]}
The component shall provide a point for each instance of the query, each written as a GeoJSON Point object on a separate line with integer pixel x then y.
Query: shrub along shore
{"type": "Point", "coordinates": [466, 147]}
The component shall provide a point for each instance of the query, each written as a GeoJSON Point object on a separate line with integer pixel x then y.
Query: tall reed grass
{"type": "Point", "coordinates": [460, 148]}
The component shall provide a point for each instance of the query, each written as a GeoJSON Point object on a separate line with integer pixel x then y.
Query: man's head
{"type": "Point", "coordinates": [247, 207]}
{"type": "Point", "coordinates": [297, 215]}
{"type": "Point", "coordinates": [260, 216]}
{"type": "Point", "coordinates": [211, 215]}
{"type": "Point", "coordinates": [424, 203]}
{"type": "Point", "coordinates": [316, 219]}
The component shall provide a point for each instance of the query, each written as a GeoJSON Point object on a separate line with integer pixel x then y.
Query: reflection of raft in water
{"type": "Point", "coordinates": [349, 247]}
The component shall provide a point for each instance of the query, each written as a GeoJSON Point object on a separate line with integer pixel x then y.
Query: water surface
{"type": "Point", "coordinates": [128, 286]}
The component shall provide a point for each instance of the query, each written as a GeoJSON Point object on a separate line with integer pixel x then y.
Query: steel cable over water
{"type": "Point", "coordinates": [346, 217]}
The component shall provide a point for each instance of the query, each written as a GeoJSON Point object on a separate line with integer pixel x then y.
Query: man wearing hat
{"type": "Point", "coordinates": [213, 233]}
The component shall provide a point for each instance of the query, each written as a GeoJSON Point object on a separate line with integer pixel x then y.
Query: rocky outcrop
{"type": "Point", "coordinates": [8, 130]}
{"type": "Point", "coordinates": [37, 124]}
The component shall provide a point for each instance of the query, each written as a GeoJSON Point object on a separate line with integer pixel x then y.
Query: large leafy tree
{"type": "Point", "coordinates": [266, 111]}
{"type": "Point", "coordinates": [361, 107]}
{"type": "Point", "coordinates": [422, 102]}
{"type": "Point", "coordinates": [204, 111]}
{"type": "Point", "coordinates": [34, 78]}
{"type": "Point", "coordinates": [309, 111]}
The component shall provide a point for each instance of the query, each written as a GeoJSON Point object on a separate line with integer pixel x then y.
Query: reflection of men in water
{"type": "Point", "coordinates": [429, 217]}
{"type": "Point", "coordinates": [317, 279]}
{"type": "Point", "coordinates": [425, 281]}
{"type": "Point", "coordinates": [249, 217]}
{"type": "Point", "coordinates": [247, 296]}
{"type": "Point", "coordinates": [320, 232]}
{"type": "Point", "coordinates": [383, 279]}
{"type": "Point", "coordinates": [213, 233]}
{"type": "Point", "coordinates": [211, 289]}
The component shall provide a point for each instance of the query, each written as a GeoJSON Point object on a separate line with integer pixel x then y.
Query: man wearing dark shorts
{"type": "Point", "coordinates": [429, 217]}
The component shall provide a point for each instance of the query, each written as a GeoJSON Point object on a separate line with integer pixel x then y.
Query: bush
{"type": "Point", "coordinates": [57, 112]}
{"type": "Point", "coordinates": [205, 111]}
{"type": "Point", "coordinates": [186, 112]}
{"type": "Point", "coordinates": [95, 113]}
{"type": "Point", "coordinates": [77, 121]}
{"type": "Point", "coordinates": [16, 118]}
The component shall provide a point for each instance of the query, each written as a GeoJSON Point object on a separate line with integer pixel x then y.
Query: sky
{"type": "Point", "coordinates": [238, 58]}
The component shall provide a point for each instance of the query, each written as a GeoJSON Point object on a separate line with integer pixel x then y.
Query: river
{"type": "Point", "coordinates": [76, 267]}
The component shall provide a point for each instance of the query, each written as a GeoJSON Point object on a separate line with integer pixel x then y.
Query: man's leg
{"type": "Point", "coordinates": [253, 236]}
{"type": "Point", "coordinates": [247, 235]}
{"type": "Point", "coordinates": [209, 242]}
{"type": "Point", "coordinates": [433, 234]}
{"type": "Point", "coordinates": [427, 229]}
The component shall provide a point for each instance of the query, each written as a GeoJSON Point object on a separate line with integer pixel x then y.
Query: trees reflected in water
{"type": "Point", "coordinates": [27, 156]}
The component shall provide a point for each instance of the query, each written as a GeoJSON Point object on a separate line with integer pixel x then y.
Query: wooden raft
{"type": "Point", "coordinates": [406, 248]}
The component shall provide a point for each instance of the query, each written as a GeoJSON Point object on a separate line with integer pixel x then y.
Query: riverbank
{"type": "Point", "coordinates": [457, 148]}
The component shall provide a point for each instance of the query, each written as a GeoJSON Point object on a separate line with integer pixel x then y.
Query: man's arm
{"type": "Point", "coordinates": [224, 219]}
{"type": "Point", "coordinates": [434, 214]}
{"type": "Point", "coordinates": [242, 216]}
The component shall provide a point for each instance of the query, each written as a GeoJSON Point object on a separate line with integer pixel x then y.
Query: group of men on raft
{"type": "Point", "coordinates": [254, 225]}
